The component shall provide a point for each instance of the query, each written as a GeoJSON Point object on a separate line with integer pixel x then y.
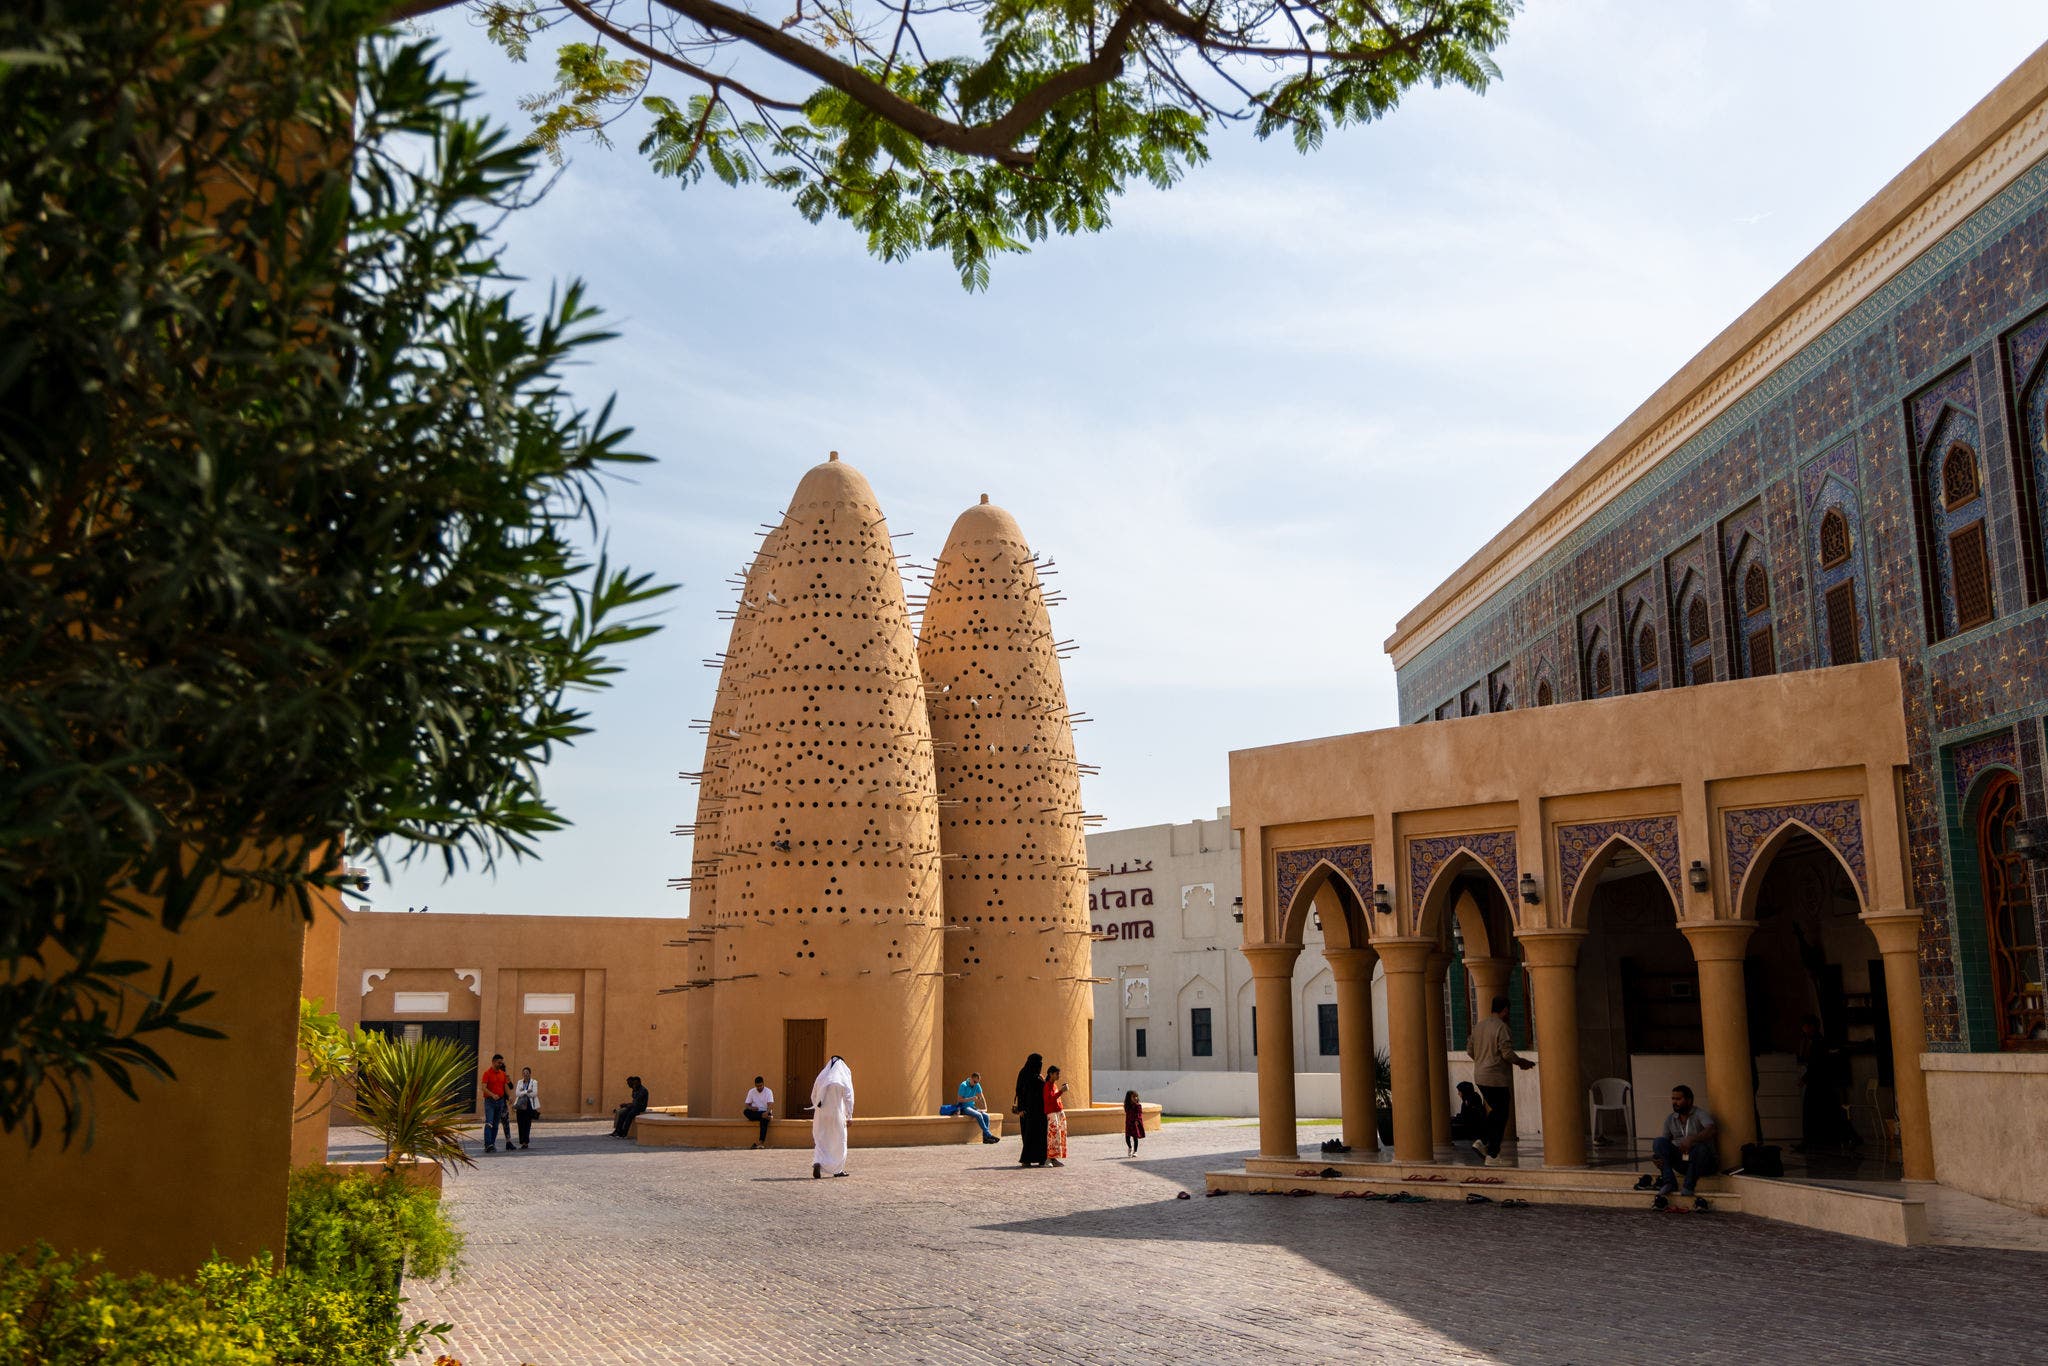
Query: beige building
{"type": "Point", "coordinates": [1734, 728]}
{"type": "Point", "coordinates": [1176, 1019]}
{"type": "Point", "coordinates": [581, 1000]}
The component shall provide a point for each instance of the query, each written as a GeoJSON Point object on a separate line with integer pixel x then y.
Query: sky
{"type": "Point", "coordinates": [1254, 422]}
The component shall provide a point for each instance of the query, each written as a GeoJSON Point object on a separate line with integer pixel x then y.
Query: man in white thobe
{"type": "Point", "coordinates": [831, 1108]}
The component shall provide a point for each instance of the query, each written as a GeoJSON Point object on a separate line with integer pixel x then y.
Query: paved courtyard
{"type": "Point", "coordinates": [586, 1250]}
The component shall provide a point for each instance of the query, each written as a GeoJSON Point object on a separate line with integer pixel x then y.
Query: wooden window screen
{"type": "Point", "coordinates": [1696, 621]}
{"type": "Point", "coordinates": [2008, 916]}
{"type": "Point", "coordinates": [1603, 674]}
{"type": "Point", "coordinates": [1762, 659]}
{"type": "Point", "coordinates": [1756, 591]}
{"type": "Point", "coordinates": [1834, 539]}
{"type": "Point", "coordinates": [1702, 671]}
{"type": "Point", "coordinates": [1646, 650]}
{"type": "Point", "coordinates": [1544, 697]}
{"type": "Point", "coordinates": [1845, 645]}
{"type": "Point", "coordinates": [1971, 568]}
{"type": "Point", "coordinates": [1959, 483]}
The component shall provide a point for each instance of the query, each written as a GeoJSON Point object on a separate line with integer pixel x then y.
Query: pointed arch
{"type": "Point", "coordinates": [1300, 875]}
{"type": "Point", "coordinates": [1435, 864]}
{"type": "Point", "coordinates": [1752, 870]}
{"type": "Point", "coordinates": [1587, 881]}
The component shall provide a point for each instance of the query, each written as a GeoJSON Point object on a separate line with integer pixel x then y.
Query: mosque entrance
{"type": "Point", "coordinates": [1639, 1005]}
{"type": "Point", "coordinates": [803, 1058]}
{"type": "Point", "coordinates": [1819, 1025]}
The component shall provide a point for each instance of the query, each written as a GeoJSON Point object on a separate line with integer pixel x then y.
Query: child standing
{"type": "Point", "coordinates": [1134, 1122]}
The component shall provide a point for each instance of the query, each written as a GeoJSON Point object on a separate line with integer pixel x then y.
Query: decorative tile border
{"type": "Point", "coordinates": [2000, 749]}
{"type": "Point", "coordinates": [1839, 824]}
{"type": "Point", "coordinates": [1429, 853]}
{"type": "Point", "coordinates": [1292, 866]}
{"type": "Point", "coordinates": [1654, 836]}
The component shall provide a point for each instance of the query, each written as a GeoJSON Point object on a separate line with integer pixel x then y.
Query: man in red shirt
{"type": "Point", "coordinates": [496, 1115]}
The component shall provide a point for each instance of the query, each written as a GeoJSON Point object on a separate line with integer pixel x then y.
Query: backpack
{"type": "Point", "coordinates": [1762, 1159]}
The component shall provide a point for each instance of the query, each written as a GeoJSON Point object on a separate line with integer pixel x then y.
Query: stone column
{"type": "Point", "coordinates": [1353, 970]}
{"type": "Point", "coordinates": [1433, 972]}
{"type": "Point", "coordinates": [1898, 939]}
{"type": "Point", "coordinates": [1719, 948]}
{"type": "Point", "coordinates": [1406, 961]}
{"type": "Point", "coordinates": [1553, 959]}
{"type": "Point", "coordinates": [1273, 987]}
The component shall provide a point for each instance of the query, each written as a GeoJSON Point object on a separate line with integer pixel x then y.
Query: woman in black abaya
{"type": "Point", "coordinates": [1030, 1111]}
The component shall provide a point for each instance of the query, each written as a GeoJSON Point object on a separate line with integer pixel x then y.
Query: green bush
{"type": "Point", "coordinates": [335, 1301]}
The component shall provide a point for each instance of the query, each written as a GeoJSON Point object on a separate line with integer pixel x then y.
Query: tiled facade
{"type": "Point", "coordinates": [1950, 354]}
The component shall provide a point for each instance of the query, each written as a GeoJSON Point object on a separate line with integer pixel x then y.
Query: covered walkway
{"type": "Point", "coordinates": [1707, 884]}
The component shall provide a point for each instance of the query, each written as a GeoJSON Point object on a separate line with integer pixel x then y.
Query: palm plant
{"type": "Point", "coordinates": [409, 1093]}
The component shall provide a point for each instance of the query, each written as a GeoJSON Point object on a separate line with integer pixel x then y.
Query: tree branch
{"type": "Point", "coordinates": [627, 40]}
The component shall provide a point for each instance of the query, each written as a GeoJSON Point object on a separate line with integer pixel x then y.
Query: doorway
{"type": "Point", "coordinates": [803, 1058]}
{"type": "Point", "coordinates": [464, 1033]}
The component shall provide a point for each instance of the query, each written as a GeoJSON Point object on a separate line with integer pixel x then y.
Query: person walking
{"type": "Point", "coordinates": [760, 1106]}
{"type": "Point", "coordinates": [1030, 1111]}
{"type": "Point", "coordinates": [525, 1105]}
{"type": "Point", "coordinates": [1492, 1051]}
{"type": "Point", "coordinates": [831, 1110]}
{"type": "Point", "coordinates": [496, 1116]}
{"type": "Point", "coordinates": [1055, 1117]}
{"type": "Point", "coordinates": [1134, 1122]}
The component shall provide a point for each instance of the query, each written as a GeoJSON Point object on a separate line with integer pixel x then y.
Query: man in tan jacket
{"type": "Point", "coordinates": [1493, 1053]}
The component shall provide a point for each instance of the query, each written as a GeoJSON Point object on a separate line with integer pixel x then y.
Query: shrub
{"type": "Point", "coordinates": [334, 1302]}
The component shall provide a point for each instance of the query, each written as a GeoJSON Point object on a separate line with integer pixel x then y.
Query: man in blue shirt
{"type": "Point", "coordinates": [973, 1104]}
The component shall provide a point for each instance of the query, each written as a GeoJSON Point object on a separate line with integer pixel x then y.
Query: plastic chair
{"type": "Point", "coordinates": [1612, 1093]}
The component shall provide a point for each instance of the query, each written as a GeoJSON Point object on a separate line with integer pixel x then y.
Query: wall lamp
{"type": "Point", "coordinates": [1383, 900]}
{"type": "Point", "coordinates": [1237, 909]}
{"type": "Point", "coordinates": [2030, 840]}
{"type": "Point", "coordinates": [1697, 876]}
{"type": "Point", "coordinates": [1530, 893]}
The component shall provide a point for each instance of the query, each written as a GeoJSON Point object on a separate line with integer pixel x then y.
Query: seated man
{"type": "Point", "coordinates": [624, 1115]}
{"type": "Point", "coordinates": [973, 1104]}
{"type": "Point", "coordinates": [760, 1105]}
{"type": "Point", "coordinates": [1685, 1148]}
{"type": "Point", "coordinates": [1470, 1121]}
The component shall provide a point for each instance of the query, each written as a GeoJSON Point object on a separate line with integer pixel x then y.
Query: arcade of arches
{"type": "Point", "coordinates": [1673, 878]}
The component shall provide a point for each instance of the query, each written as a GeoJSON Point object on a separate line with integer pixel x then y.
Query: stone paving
{"type": "Point", "coordinates": [587, 1250]}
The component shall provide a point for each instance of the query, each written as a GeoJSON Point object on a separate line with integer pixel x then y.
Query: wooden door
{"type": "Point", "coordinates": [803, 1057]}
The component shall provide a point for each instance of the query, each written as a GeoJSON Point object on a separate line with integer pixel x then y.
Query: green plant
{"type": "Point", "coordinates": [292, 500]}
{"type": "Point", "coordinates": [367, 1230]}
{"type": "Point", "coordinates": [408, 1093]}
{"type": "Point", "coordinates": [979, 126]}
{"type": "Point", "coordinates": [1382, 1080]}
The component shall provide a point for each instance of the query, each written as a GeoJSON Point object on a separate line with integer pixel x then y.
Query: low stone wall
{"type": "Point", "coordinates": [1989, 1113]}
{"type": "Point", "coordinates": [414, 1171]}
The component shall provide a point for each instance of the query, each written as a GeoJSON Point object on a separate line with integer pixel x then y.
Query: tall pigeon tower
{"type": "Point", "coordinates": [1017, 947]}
{"type": "Point", "coordinates": [825, 929]}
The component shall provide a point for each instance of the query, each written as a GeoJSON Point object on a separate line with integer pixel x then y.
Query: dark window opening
{"type": "Point", "coordinates": [1326, 1030]}
{"type": "Point", "coordinates": [1972, 568]}
{"type": "Point", "coordinates": [1200, 1042]}
{"type": "Point", "coordinates": [1845, 645]}
{"type": "Point", "coordinates": [1139, 1047]}
{"type": "Point", "coordinates": [1834, 539]}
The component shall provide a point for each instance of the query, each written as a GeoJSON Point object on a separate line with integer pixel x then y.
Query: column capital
{"type": "Point", "coordinates": [1718, 940]}
{"type": "Point", "coordinates": [1895, 931]}
{"type": "Point", "coordinates": [1405, 954]}
{"type": "Point", "coordinates": [1351, 965]}
{"type": "Point", "coordinates": [1482, 967]}
{"type": "Point", "coordinates": [1272, 960]}
{"type": "Point", "coordinates": [1551, 948]}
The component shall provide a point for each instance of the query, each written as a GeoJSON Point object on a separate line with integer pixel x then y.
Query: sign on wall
{"type": "Point", "coordinates": [550, 1036]}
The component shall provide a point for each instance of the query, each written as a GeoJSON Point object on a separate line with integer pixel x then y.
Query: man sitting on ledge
{"type": "Point", "coordinates": [1685, 1148]}
{"type": "Point", "coordinates": [971, 1105]}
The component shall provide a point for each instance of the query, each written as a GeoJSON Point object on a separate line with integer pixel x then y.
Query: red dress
{"type": "Point", "coordinates": [1055, 1122]}
{"type": "Point", "coordinates": [1134, 1119]}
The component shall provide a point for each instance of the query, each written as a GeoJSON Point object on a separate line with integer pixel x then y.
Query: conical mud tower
{"type": "Point", "coordinates": [826, 920]}
{"type": "Point", "coordinates": [708, 849]}
{"type": "Point", "coordinates": [1017, 947]}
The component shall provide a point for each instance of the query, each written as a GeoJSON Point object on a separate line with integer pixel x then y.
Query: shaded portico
{"type": "Point", "coordinates": [1506, 825]}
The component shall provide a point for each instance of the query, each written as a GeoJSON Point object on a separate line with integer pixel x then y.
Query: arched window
{"type": "Point", "coordinates": [2014, 950]}
{"type": "Point", "coordinates": [1834, 583]}
{"type": "Point", "coordinates": [1648, 675]}
{"type": "Point", "coordinates": [1599, 673]}
{"type": "Point", "coordinates": [1696, 664]}
{"type": "Point", "coordinates": [1955, 541]}
{"type": "Point", "coordinates": [1544, 696]}
{"type": "Point", "coordinates": [1834, 539]}
{"type": "Point", "coordinates": [1756, 645]}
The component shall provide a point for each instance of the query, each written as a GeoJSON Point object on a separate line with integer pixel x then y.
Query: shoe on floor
{"type": "Point", "coordinates": [1475, 1198]}
{"type": "Point", "coordinates": [1646, 1182]}
{"type": "Point", "coordinates": [990, 1138]}
{"type": "Point", "coordinates": [1479, 1146]}
{"type": "Point", "coordinates": [1056, 1162]}
{"type": "Point", "coordinates": [816, 1171]}
{"type": "Point", "coordinates": [839, 1173]}
{"type": "Point", "coordinates": [1515, 1204]}
{"type": "Point", "coordinates": [1699, 1205]}
{"type": "Point", "coordinates": [1660, 1202]}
